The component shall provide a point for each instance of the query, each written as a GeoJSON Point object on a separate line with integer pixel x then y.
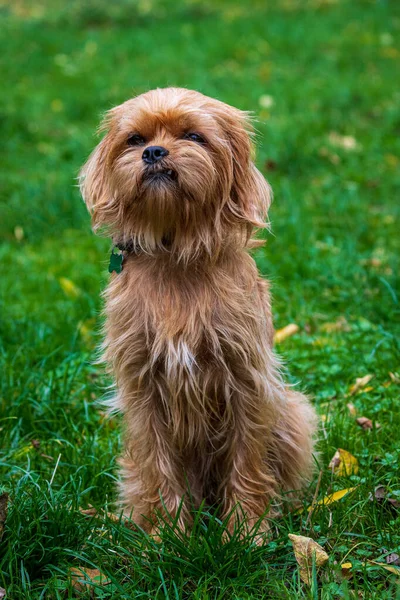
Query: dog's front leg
{"type": "Point", "coordinates": [152, 474]}
{"type": "Point", "coordinates": [249, 485]}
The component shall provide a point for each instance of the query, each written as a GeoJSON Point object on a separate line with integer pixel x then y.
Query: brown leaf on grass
{"type": "Point", "coordinates": [2, 593]}
{"type": "Point", "coordinates": [305, 549]}
{"type": "Point", "coordinates": [35, 444]}
{"type": "Point", "coordinates": [84, 579]}
{"type": "Point", "coordinates": [285, 332]}
{"type": "Point", "coordinates": [393, 559]}
{"type": "Point", "coordinates": [366, 423]}
{"type": "Point", "coordinates": [343, 463]}
{"type": "Point", "coordinates": [360, 383]}
{"type": "Point", "coordinates": [380, 495]}
{"type": "Point", "coordinates": [3, 512]}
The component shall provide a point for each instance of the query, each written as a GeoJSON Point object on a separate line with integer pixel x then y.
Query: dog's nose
{"type": "Point", "coordinates": [152, 154]}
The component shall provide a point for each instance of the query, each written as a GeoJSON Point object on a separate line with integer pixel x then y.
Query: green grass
{"type": "Point", "coordinates": [330, 69]}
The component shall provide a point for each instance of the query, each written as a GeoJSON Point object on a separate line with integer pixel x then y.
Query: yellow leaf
{"type": "Point", "coordinates": [305, 549]}
{"type": "Point", "coordinates": [346, 570]}
{"type": "Point", "coordinates": [69, 288]}
{"type": "Point", "coordinates": [390, 568]}
{"type": "Point", "coordinates": [343, 463]}
{"type": "Point", "coordinates": [334, 497]}
{"type": "Point", "coordinates": [285, 332]}
{"type": "Point", "coordinates": [360, 383]}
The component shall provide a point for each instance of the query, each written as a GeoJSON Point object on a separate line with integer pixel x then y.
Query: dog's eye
{"type": "Point", "coordinates": [136, 140]}
{"type": "Point", "coordinates": [194, 137]}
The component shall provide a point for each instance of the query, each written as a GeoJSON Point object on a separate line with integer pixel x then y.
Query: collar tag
{"type": "Point", "coordinates": [116, 260]}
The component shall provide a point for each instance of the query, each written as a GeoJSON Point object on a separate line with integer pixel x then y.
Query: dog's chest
{"type": "Point", "coordinates": [181, 328]}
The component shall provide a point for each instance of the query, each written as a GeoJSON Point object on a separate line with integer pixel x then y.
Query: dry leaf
{"type": "Point", "coordinates": [3, 512]}
{"type": "Point", "coordinates": [84, 579]}
{"type": "Point", "coordinates": [360, 383]}
{"type": "Point", "coordinates": [343, 463]}
{"type": "Point", "coordinates": [366, 423]}
{"type": "Point", "coordinates": [285, 332]}
{"type": "Point", "coordinates": [346, 570]}
{"type": "Point", "coordinates": [2, 593]}
{"type": "Point", "coordinates": [380, 495]}
{"type": "Point", "coordinates": [390, 568]}
{"type": "Point", "coordinates": [352, 409]}
{"type": "Point", "coordinates": [304, 549]}
{"type": "Point", "coordinates": [393, 559]}
{"type": "Point", "coordinates": [335, 496]}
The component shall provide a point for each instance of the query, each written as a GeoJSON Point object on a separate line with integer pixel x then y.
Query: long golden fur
{"type": "Point", "coordinates": [189, 332]}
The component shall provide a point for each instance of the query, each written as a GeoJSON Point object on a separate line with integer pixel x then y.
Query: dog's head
{"type": "Point", "coordinates": [174, 171]}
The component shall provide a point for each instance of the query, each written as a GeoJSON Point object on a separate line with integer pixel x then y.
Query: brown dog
{"type": "Point", "coordinates": [189, 331]}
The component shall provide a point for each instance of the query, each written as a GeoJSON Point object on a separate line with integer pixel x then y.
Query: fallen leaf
{"type": "Point", "coordinates": [380, 495]}
{"type": "Point", "coordinates": [366, 423]}
{"type": "Point", "coordinates": [331, 498]}
{"type": "Point", "coordinates": [285, 332]}
{"type": "Point", "coordinates": [346, 570]}
{"type": "Point", "coordinates": [3, 512]}
{"type": "Point", "coordinates": [84, 579]}
{"type": "Point", "coordinates": [69, 288]}
{"type": "Point", "coordinates": [360, 383]}
{"type": "Point", "coordinates": [305, 549]}
{"type": "Point", "coordinates": [2, 593]}
{"type": "Point", "coordinates": [390, 568]}
{"type": "Point", "coordinates": [343, 463]}
{"type": "Point", "coordinates": [352, 409]}
{"type": "Point", "coordinates": [393, 559]}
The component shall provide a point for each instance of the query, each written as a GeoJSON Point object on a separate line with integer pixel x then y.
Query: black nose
{"type": "Point", "coordinates": [152, 154]}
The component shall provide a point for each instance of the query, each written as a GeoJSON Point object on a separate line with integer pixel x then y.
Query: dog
{"type": "Point", "coordinates": [188, 329]}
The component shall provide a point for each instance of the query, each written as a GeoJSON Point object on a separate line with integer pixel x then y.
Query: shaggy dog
{"type": "Point", "coordinates": [189, 331]}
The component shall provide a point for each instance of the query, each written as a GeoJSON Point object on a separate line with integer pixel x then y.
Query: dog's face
{"type": "Point", "coordinates": [174, 172]}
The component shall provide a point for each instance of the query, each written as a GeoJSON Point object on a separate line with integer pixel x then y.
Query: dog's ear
{"type": "Point", "coordinates": [94, 175]}
{"type": "Point", "coordinates": [251, 195]}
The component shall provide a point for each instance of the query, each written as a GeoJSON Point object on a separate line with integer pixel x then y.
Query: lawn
{"type": "Point", "coordinates": [320, 77]}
